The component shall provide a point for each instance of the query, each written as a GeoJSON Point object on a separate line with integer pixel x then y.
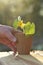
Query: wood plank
{"type": "Point", "coordinates": [7, 58]}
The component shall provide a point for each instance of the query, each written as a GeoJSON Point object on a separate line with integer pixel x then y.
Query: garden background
{"type": "Point", "coordinates": [29, 10]}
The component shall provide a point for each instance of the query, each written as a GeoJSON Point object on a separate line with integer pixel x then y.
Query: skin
{"type": "Point", "coordinates": [7, 37]}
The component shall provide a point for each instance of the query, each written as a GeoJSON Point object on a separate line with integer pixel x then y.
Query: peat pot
{"type": "Point", "coordinates": [24, 43]}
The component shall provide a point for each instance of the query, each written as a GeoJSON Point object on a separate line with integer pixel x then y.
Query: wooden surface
{"type": "Point", "coordinates": [38, 55]}
{"type": "Point", "coordinates": [7, 58]}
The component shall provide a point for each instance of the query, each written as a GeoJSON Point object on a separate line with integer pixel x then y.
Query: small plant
{"type": "Point", "coordinates": [28, 27]}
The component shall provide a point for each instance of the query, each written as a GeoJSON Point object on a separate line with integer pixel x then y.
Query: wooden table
{"type": "Point", "coordinates": [7, 58]}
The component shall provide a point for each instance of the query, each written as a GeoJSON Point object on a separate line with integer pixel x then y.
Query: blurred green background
{"type": "Point", "coordinates": [31, 10]}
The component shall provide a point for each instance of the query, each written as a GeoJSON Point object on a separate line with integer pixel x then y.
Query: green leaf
{"type": "Point", "coordinates": [29, 28]}
{"type": "Point", "coordinates": [15, 24]}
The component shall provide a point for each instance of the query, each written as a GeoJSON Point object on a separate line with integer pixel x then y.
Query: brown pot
{"type": "Point", "coordinates": [24, 43]}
